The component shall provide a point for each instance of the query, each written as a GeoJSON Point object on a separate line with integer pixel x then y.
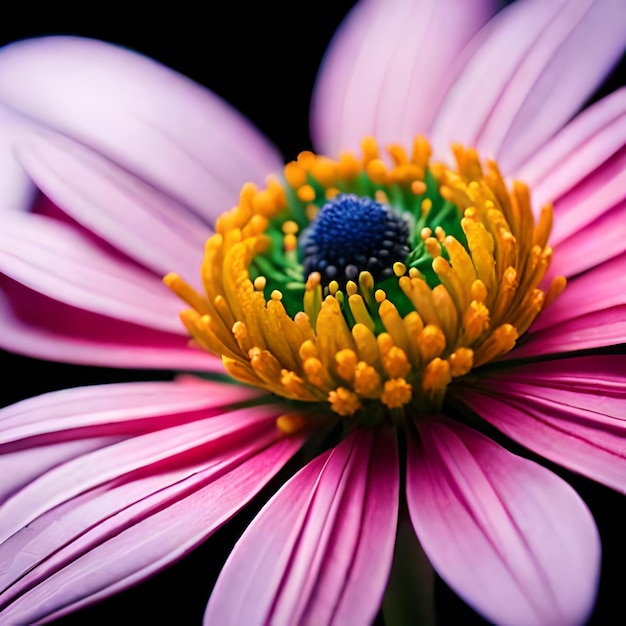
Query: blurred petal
{"type": "Point", "coordinates": [534, 48]}
{"type": "Point", "coordinates": [571, 411]}
{"type": "Point", "coordinates": [511, 538]}
{"type": "Point", "coordinates": [40, 327]}
{"type": "Point", "coordinates": [17, 190]}
{"type": "Point", "coordinates": [130, 508]}
{"type": "Point", "coordinates": [161, 126]}
{"type": "Point", "coordinates": [388, 68]}
{"type": "Point", "coordinates": [308, 555]}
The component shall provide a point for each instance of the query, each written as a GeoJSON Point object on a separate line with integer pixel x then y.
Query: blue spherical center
{"type": "Point", "coordinates": [351, 234]}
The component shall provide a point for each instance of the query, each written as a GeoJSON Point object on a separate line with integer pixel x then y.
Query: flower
{"type": "Point", "coordinates": [110, 484]}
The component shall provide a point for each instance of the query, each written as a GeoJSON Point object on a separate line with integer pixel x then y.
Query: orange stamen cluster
{"type": "Point", "coordinates": [354, 346]}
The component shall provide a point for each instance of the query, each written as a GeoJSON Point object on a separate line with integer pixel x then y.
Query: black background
{"type": "Point", "coordinates": [262, 59]}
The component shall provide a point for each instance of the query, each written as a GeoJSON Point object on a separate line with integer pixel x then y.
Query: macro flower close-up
{"type": "Point", "coordinates": [381, 356]}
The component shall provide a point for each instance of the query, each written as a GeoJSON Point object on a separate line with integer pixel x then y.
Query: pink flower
{"type": "Point", "coordinates": [114, 173]}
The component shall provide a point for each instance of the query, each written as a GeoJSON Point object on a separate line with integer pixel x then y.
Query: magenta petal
{"type": "Point", "coordinates": [49, 257]}
{"type": "Point", "coordinates": [116, 514]}
{"type": "Point", "coordinates": [571, 411]}
{"type": "Point", "coordinates": [308, 555]}
{"type": "Point", "coordinates": [581, 251]}
{"type": "Point", "coordinates": [41, 327]}
{"type": "Point", "coordinates": [388, 68]}
{"type": "Point", "coordinates": [511, 538]}
{"type": "Point", "coordinates": [120, 208]}
{"type": "Point", "coordinates": [501, 105]}
{"type": "Point", "coordinates": [161, 126]}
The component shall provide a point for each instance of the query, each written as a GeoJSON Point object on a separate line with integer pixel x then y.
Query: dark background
{"type": "Point", "coordinates": [263, 60]}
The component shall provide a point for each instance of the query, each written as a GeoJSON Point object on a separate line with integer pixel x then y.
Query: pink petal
{"type": "Point", "coordinates": [598, 289]}
{"type": "Point", "coordinates": [115, 515]}
{"type": "Point", "coordinates": [308, 555]}
{"type": "Point", "coordinates": [579, 148]}
{"type": "Point", "coordinates": [51, 258]}
{"type": "Point", "coordinates": [511, 538]}
{"type": "Point", "coordinates": [591, 198]}
{"type": "Point", "coordinates": [571, 411]}
{"type": "Point", "coordinates": [538, 65]}
{"type": "Point", "coordinates": [388, 68]}
{"type": "Point", "coordinates": [162, 127]}
{"type": "Point", "coordinates": [598, 329]}
{"type": "Point", "coordinates": [588, 314]}
{"type": "Point", "coordinates": [40, 327]}
{"type": "Point", "coordinates": [581, 251]}
{"type": "Point", "coordinates": [123, 210]}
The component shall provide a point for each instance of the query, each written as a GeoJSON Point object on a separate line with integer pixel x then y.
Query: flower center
{"type": "Point", "coordinates": [351, 233]}
{"type": "Point", "coordinates": [370, 284]}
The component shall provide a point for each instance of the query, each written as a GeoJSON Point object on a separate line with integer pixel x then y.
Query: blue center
{"type": "Point", "coordinates": [351, 234]}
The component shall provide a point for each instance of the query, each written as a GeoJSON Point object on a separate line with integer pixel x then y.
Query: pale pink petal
{"type": "Point", "coordinates": [131, 215]}
{"type": "Point", "coordinates": [571, 411]}
{"type": "Point", "coordinates": [538, 65]}
{"type": "Point", "coordinates": [161, 126]}
{"type": "Point", "coordinates": [388, 68]}
{"type": "Point", "coordinates": [511, 538]}
{"type": "Point", "coordinates": [178, 460]}
{"type": "Point", "coordinates": [581, 251]}
{"type": "Point", "coordinates": [308, 555]}
{"type": "Point", "coordinates": [584, 144]}
{"type": "Point", "coordinates": [17, 190]}
{"type": "Point", "coordinates": [50, 257]}
{"type": "Point", "coordinates": [37, 326]}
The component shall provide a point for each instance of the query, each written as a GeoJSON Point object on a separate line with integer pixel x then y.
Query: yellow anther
{"type": "Point", "coordinates": [418, 187]}
{"type": "Point", "coordinates": [431, 342]}
{"type": "Point", "coordinates": [343, 401]}
{"type": "Point", "coordinates": [398, 154]}
{"type": "Point", "coordinates": [306, 193]}
{"type": "Point", "coordinates": [346, 362]}
{"type": "Point", "coordinates": [476, 321]}
{"type": "Point", "coordinates": [461, 361]}
{"type": "Point", "coordinates": [294, 386]}
{"type": "Point", "coordinates": [306, 159]}
{"type": "Point", "coordinates": [421, 151]}
{"type": "Point", "coordinates": [259, 283]}
{"type": "Point", "coordinates": [295, 175]}
{"type": "Point", "coordinates": [427, 205]}
{"type": "Point", "coordinates": [436, 377]}
{"type": "Point", "coordinates": [440, 233]}
{"type": "Point", "coordinates": [333, 287]}
{"type": "Point", "coordinates": [380, 295]}
{"type": "Point", "coordinates": [290, 227]}
{"type": "Point", "coordinates": [290, 424]}
{"type": "Point", "coordinates": [348, 166]}
{"type": "Point", "coordinates": [381, 196]}
{"type": "Point", "coordinates": [426, 233]}
{"type": "Point", "coordinates": [290, 243]}
{"type": "Point", "coordinates": [351, 288]}
{"type": "Point", "coordinates": [315, 372]}
{"type": "Point", "coordinates": [370, 149]}
{"type": "Point", "coordinates": [367, 381]}
{"type": "Point", "coordinates": [377, 171]}
{"type": "Point", "coordinates": [239, 331]}
{"type": "Point", "coordinates": [396, 363]}
{"type": "Point", "coordinates": [433, 247]}
{"type": "Point", "coordinates": [276, 295]}
{"type": "Point", "coordinates": [399, 269]}
{"type": "Point", "coordinates": [324, 171]}
{"type": "Point", "coordinates": [396, 393]}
